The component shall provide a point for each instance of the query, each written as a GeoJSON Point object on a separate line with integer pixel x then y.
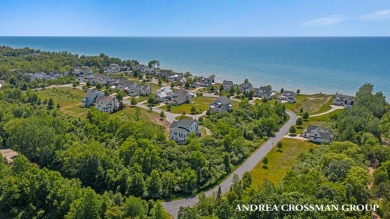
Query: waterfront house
{"type": "Point", "coordinates": [180, 96]}
{"type": "Point", "coordinates": [289, 96]}
{"type": "Point", "coordinates": [203, 82]}
{"type": "Point", "coordinates": [90, 97]}
{"type": "Point", "coordinates": [246, 87]}
{"type": "Point", "coordinates": [164, 93]}
{"type": "Point", "coordinates": [107, 103]}
{"type": "Point", "coordinates": [227, 85]}
{"type": "Point", "coordinates": [222, 104]}
{"type": "Point", "coordinates": [343, 100]}
{"type": "Point", "coordinates": [179, 130]}
{"type": "Point", "coordinates": [264, 91]}
{"type": "Point", "coordinates": [318, 134]}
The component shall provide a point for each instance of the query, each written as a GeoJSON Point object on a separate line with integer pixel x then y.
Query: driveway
{"type": "Point", "coordinates": [173, 207]}
{"type": "Point", "coordinates": [334, 108]}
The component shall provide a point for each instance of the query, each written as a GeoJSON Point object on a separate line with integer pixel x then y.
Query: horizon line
{"type": "Point", "coordinates": [350, 36]}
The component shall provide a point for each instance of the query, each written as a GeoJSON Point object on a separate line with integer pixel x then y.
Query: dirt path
{"type": "Point", "coordinates": [334, 108]}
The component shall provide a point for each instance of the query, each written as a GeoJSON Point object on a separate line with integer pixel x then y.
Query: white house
{"type": "Point", "coordinates": [344, 100]}
{"type": "Point", "coordinates": [318, 134]}
{"type": "Point", "coordinates": [164, 93]}
{"type": "Point", "coordinates": [221, 104]}
{"type": "Point", "coordinates": [179, 130]}
{"type": "Point", "coordinates": [90, 97]}
{"type": "Point", "coordinates": [107, 103]}
{"type": "Point", "coordinates": [289, 96]}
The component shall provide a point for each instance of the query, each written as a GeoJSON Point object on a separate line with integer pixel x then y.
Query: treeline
{"type": "Point", "coordinates": [332, 174]}
{"type": "Point", "coordinates": [29, 192]}
{"type": "Point", "coordinates": [15, 62]}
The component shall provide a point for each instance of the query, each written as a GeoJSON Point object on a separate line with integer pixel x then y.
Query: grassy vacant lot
{"type": "Point", "coordinates": [68, 98]}
{"type": "Point", "coordinates": [314, 104]}
{"type": "Point", "coordinates": [201, 104]}
{"type": "Point", "coordinates": [280, 162]}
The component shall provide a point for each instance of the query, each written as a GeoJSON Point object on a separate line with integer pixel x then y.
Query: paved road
{"type": "Point", "coordinates": [173, 207]}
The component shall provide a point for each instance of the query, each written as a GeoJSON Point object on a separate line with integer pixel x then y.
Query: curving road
{"type": "Point", "coordinates": [173, 207]}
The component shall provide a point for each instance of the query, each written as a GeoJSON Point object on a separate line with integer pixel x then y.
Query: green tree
{"type": "Point", "coordinates": [246, 180]}
{"type": "Point", "coordinates": [162, 115]}
{"type": "Point", "coordinates": [50, 104]}
{"type": "Point", "coordinates": [154, 185]}
{"type": "Point", "coordinates": [58, 106]}
{"type": "Point", "coordinates": [265, 161]}
{"type": "Point", "coordinates": [137, 114]}
{"type": "Point", "coordinates": [134, 208]}
{"type": "Point", "coordinates": [89, 206]}
{"type": "Point", "coordinates": [299, 122]}
{"type": "Point", "coordinates": [280, 145]}
{"type": "Point", "coordinates": [298, 91]}
{"type": "Point", "coordinates": [99, 86]}
{"type": "Point", "coordinates": [133, 101]}
{"type": "Point", "coordinates": [169, 107]}
{"type": "Point", "coordinates": [292, 130]}
{"type": "Point", "coordinates": [159, 211]}
{"type": "Point", "coordinates": [226, 161]}
{"type": "Point", "coordinates": [193, 110]}
{"type": "Point", "coordinates": [305, 115]}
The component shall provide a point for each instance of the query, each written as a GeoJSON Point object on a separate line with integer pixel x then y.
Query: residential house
{"type": "Point", "coordinates": [344, 100]}
{"type": "Point", "coordinates": [81, 71]}
{"type": "Point", "coordinates": [179, 130]}
{"type": "Point", "coordinates": [90, 97]}
{"type": "Point", "coordinates": [125, 85]}
{"type": "Point", "coordinates": [221, 104]}
{"type": "Point", "coordinates": [246, 87]}
{"type": "Point", "coordinates": [113, 68]}
{"type": "Point", "coordinates": [107, 103]}
{"type": "Point", "coordinates": [180, 96]}
{"type": "Point", "coordinates": [2, 82]}
{"type": "Point", "coordinates": [264, 91]}
{"type": "Point", "coordinates": [289, 96]}
{"type": "Point", "coordinates": [140, 90]}
{"type": "Point", "coordinates": [227, 85]}
{"type": "Point", "coordinates": [164, 93]}
{"type": "Point", "coordinates": [203, 82]}
{"type": "Point", "coordinates": [318, 134]}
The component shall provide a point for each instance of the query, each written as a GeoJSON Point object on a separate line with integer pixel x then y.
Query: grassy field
{"type": "Point", "coordinates": [280, 162]}
{"type": "Point", "coordinates": [313, 104]}
{"type": "Point", "coordinates": [68, 98]}
{"type": "Point", "coordinates": [200, 103]}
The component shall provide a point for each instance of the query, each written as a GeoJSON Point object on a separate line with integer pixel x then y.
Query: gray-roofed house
{"type": "Point", "coordinates": [180, 96]}
{"type": "Point", "coordinates": [179, 130]}
{"type": "Point", "coordinates": [343, 100]}
{"type": "Point", "coordinates": [164, 93]}
{"type": "Point", "coordinates": [227, 85]}
{"type": "Point", "coordinates": [140, 90]}
{"type": "Point", "coordinates": [203, 82]}
{"type": "Point", "coordinates": [246, 87]}
{"type": "Point", "coordinates": [221, 104]}
{"type": "Point", "coordinates": [289, 96]}
{"type": "Point", "coordinates": [90, 97]}
{"type": "Point", "coordinates": [2, 82]}
{"type": "Point", "coordinates": [107, 103]}
{"type": "Point", "coordinates": [264, 91]}
{"type": "Point", "coordinates": [318, 134]}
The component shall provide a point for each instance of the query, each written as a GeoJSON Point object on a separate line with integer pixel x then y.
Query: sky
{"type": "Point", "coordinates": [195, 18]}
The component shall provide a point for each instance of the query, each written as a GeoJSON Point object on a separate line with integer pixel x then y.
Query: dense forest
{"type": "Point", "coordinates": [332, 174]}
{"type": "Point", "coordinates": [102, 166]}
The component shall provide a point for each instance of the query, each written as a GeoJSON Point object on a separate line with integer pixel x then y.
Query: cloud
{"type": "Point", "coordinates": [324, 21]}
{"type": "Point", "coordinates": [377, 15]}
{"type": "Point", "coordinates": [335, 19]}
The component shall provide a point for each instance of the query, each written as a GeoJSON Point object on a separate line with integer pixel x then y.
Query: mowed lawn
{"type": "Point", "coordinates": [201, 104]}
{"type": "Point", "coordinates": [68, 98]}
{"type": "Point", "coordinates": [280, 162]}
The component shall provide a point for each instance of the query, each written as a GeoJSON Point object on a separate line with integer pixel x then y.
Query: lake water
{"type": "Point", "coordinates": [318, 64]}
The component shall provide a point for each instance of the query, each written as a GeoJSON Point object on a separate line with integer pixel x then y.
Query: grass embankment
{"type": "Point", "coordinates": [313, 104]}
{"type": "Point", "coordinates": [280, 162]}
{"type": "Point", "coordinates": [201, 104]}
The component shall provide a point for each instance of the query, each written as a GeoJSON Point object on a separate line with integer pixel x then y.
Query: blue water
{"type": "Point", "coordinates": [314, 65]}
